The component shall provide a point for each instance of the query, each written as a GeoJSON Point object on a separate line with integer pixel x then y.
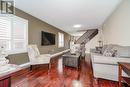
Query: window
{"type": "Point", "coordinates": [61, 40]}
{"type": "Point", "coordinates": [13, 34]}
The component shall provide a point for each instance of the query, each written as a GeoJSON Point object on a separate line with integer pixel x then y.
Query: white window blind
{"type": "Point", "coordinates": [61, 40]}
{"type": "Point", "coordinates": [19, 34]}
{"type": "Point", "coordinates": [14, 34]}
{"type": "Point", "coordinates": [5, 35]}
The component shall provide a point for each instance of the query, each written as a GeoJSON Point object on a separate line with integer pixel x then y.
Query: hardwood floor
{"type": "Point", "coordinates": [69, 78]}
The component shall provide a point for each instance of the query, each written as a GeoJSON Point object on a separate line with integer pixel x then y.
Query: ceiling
{"type": "Point", "coordinates": [63, 14]}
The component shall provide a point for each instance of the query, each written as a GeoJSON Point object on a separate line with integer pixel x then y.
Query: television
{"type": "Point", "coordinates": [47, 38]}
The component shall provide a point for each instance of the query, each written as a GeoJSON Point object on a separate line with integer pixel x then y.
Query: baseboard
{"type": "Point", "coordinates": [25, 65]}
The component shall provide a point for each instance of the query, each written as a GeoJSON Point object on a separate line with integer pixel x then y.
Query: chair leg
{"type": "Point", "coordinates": [31, 67]}
{"type": "Point", "coordinates": [49, 67]}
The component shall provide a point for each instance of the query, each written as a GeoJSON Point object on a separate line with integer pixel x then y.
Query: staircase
{"type": "Point", "coordinates": [87, 36]}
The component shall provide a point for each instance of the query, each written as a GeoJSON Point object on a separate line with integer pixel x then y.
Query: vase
{"type": "Point", "coordinates": [4, 64]}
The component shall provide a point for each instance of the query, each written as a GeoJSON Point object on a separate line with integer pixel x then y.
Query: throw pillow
{"type": "Point", "coordinates": [110, 51]}
{"type": "Point", "coordinates": [104, 48]}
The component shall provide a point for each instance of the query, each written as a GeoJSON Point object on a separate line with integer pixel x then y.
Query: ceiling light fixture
{"type": "Point", "coordinates": [77, 25]}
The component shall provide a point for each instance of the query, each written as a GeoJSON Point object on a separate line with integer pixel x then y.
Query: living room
{"type": "Point", "coordinates": [64, 43]}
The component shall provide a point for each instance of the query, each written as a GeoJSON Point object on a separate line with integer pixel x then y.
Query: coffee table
{"type": "Point", "coordinates": [72, 60]}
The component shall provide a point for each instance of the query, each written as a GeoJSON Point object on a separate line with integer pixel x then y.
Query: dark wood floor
{"type": "Point", "coordinates": [69, 78]}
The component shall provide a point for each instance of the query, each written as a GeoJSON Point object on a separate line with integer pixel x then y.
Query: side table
{"type": "Point", "coordinates": [126, 68]}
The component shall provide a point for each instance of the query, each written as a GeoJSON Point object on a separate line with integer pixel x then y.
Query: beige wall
{"type": "Point", "coordinates": [35, 27]}
{"type": "Point", "coordinates": [116, 29]}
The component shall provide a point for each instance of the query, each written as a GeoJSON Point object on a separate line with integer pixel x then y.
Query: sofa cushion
{"type": "Point", "coordinates": [123, 51]}
{"type": "Point", "coordinates": [99, 59]}
{"type": "Point", "coordinates": [104, 60]}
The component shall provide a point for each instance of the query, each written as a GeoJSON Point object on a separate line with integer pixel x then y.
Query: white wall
{"type": "Point", "coordinates": [116, 29]}
{"type": "Point", "coordinates": [92, 44]}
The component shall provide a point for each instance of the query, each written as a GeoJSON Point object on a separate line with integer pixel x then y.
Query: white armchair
{"type": "Point", "coordinates": [35, 57]}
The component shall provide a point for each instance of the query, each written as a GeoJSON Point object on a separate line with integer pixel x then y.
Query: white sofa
{"type": "Point", "coordinates": [106, 67]}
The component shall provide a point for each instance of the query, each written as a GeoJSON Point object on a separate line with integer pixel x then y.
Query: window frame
{"type": "Point", "coordinates": [60, 43]}
{"type": "Point", "coordinates": [12, 50]}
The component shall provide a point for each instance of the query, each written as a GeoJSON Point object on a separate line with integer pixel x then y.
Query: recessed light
{"type": "Point", "coordinates": [77, 25]}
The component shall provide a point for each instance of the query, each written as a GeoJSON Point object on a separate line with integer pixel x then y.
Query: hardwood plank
{"type": "Point", "coordinates": [69, 78]}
